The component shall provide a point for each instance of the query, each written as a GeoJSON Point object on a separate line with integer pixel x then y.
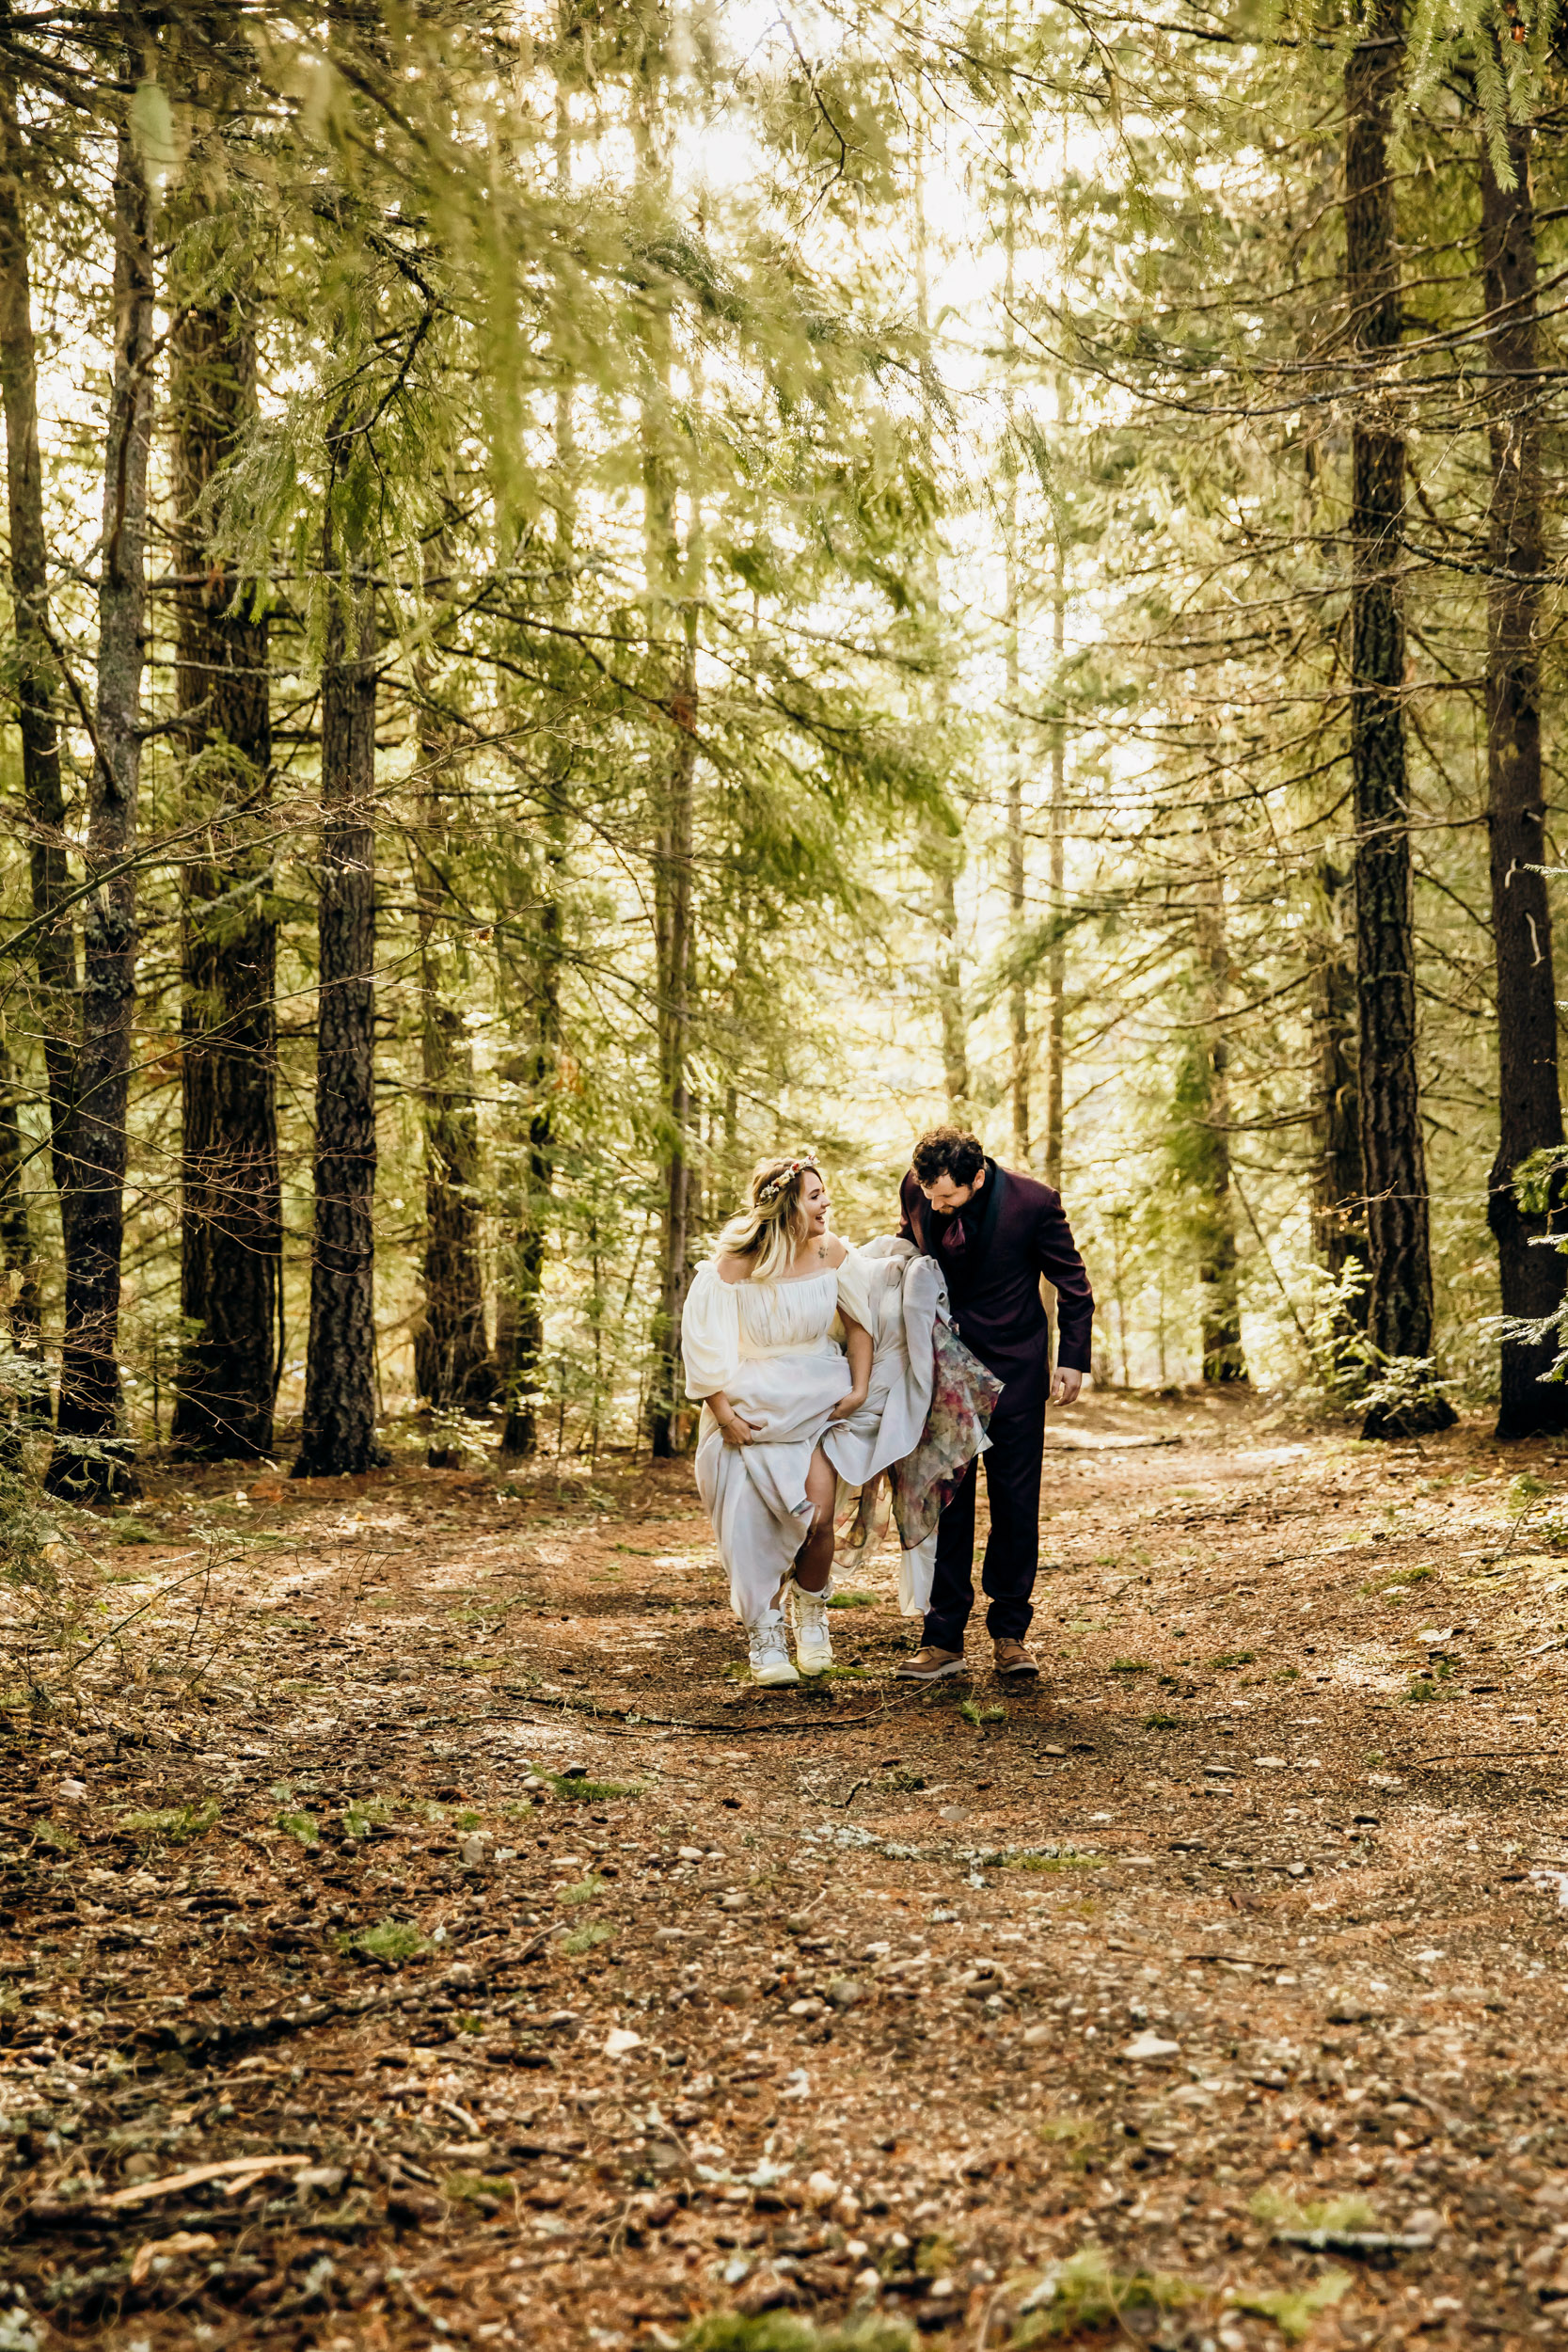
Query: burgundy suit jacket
{"type": "Point", "coordinates": [995, 1288]}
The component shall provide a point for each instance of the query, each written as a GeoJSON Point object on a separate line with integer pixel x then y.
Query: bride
{"type": "Point", "coordinates": [779, 1395]}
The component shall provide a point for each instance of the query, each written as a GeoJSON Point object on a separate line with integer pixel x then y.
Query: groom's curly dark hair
{"type": "Point", "coordinates": [948, 1151]}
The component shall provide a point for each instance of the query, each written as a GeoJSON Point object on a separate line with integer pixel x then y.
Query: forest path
{"type": "Point", "coordinates": [516, 2023]}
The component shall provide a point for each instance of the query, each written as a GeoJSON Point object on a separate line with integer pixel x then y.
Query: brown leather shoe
{"type": "Point", "coordinates": [1012, 1659]}
{"type": "Point", "coordinates": [930, 1665]}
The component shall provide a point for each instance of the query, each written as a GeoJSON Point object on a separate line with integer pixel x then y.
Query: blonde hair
{"type": "Point", "coordinates": [771, 1230]}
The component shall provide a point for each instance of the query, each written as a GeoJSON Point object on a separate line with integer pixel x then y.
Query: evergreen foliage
{"type": "Point", "coordinates": [705, 593]}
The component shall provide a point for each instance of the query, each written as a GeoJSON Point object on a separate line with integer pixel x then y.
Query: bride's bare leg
{"type": "Point", "coordinates": [814, 1562]}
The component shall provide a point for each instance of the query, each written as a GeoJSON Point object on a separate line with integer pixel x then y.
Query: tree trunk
{"type": "Point", "coordinates": [57, 1011]}
{"type": "Point", "coordinates": [520, 1311]}
{"type": "Point", "coordinates": [27, 1389]}
{"type": "Point", "coordinates": [1055, 961]}
{"type": "Point", "coordinates": [19, 1392]}
{"type": "Point", "coordinates": [1529, 1106]}
{"type": "Point", "coordinates": [230, 1234]}
{"type": "Point", "coordinates": [676, 945]}
{"type": "Point", "coordinates": [945, 856]}
{"type": "Point", "coordinates": [16, 1243]}
{"type": "Point", "coordinates": [1218, 1271]}
{"type": "Point", "coordinates": [1338, 1194]}
{"type": "Point", "coordinates": [673, 646]}
{"type": "Point", "coordinates": [1218, 1275]}
{"type": "Point", "coordinates": [1400, 1299]}
{"type": "Point", "coordinates": [453, 1365]}
{"type": "Point", "coordinates": [522, 1357]}
{"type": "Point", "coordinates": [90, 1403]}
{"type": "Point", "coordinates": [1018, 993]}
{"type": "Point", "coordinates": [942, 857]}
{"type": "Point", "coordinates": [337, 1438]}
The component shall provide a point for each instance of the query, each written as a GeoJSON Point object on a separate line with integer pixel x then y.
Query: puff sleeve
{"type": "Point", "coordinates": [710, 1332]}
{"type": "Point", "coordinates": [854, 1291]}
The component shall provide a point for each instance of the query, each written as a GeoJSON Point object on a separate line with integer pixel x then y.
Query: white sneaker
{"type": "Point", "coordinates": [813, 1645]}
{"type": "Point", "coordinates": [770, 1656]}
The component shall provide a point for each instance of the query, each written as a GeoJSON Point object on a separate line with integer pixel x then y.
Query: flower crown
{"type": "Point", "coordinates": [775, 1184]}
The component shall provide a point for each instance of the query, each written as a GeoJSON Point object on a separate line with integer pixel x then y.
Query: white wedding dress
{"type": "Point", "coordinates": [772, 1348]}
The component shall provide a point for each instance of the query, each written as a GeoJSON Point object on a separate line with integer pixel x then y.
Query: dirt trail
{"type": "Point", "coordinates": [460, 1955]}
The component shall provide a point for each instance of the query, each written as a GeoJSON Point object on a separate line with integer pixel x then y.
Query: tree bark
{"type": "Point", "coordinates": [1018, 993]}
{"type": "Point", "coordinates": [16, 1241]}
{"type": "Point", "coordinates": [946, 855]}
{"type": "Point", "coordinates": [1339, 1192]}
{"type": "Point", "coordinates": [520, 1309]}
{"type": "Point", "coordinates": [453, 1365]}
{"type": "Point", "coordinates": [1209, 1109]}
{"type": "Point", "coordinates": [523, 1349]}
{"type": "Point", "coordinates": [942, 855]}
{"type": "Point", "coordinates": [1218, 1273]}
{"type": "Point", "coordinates": [19, 1396]}
{"type": "Point", "coordinates": [676, 949]}
{"type": "Point", "coordinates": [1399, 1296]}
{"type": "Point", "coordinates": [57, 1011]}
{"type": "Point", "coordinates": [90, 1401]}
{"type": "Point", "coordinates": [338, 1438]}
{"type": "Point", "coordinates": [231, 1235]}
{"type": "Point", "coordinates": [1529, 1105]}
{"type": "Point", "coordinates": [28, 1391]}
{"type": "Point", "coordinates": [672, 648]}
{"type": "Point", "coordinates": [1055, 960]}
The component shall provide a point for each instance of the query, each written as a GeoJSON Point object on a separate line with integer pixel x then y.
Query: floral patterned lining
{"type": "Point", "coordinates": [963, 1398]}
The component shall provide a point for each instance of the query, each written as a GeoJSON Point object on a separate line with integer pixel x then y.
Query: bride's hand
{"type": "Point", "coordinates": [738, 1431]}
{"type": "Point", "coordinates": [847, 1404]}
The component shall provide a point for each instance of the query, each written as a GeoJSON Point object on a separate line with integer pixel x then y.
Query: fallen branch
{"type": "Point", "coordinates": [1474, 1755]}
{"type": "Point", "coordinates": [1354, 2242]}
{"type": "Point", "coordinates": [1105, 1445]}
{"type": "Point", "coordinates": [535, 1943]}
{"type": "Point", "coordinates": [240, 2170]}
{"type": "Point", "coordinates": [628, 1721]}
{"type": "Point", "coordinates": [218, 2043]}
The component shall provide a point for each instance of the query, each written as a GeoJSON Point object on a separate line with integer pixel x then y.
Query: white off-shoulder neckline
{"type": "Point", "coordinates": [780, 1283]}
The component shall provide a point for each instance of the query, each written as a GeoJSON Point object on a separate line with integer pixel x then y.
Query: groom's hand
{"type": "Point", "coordinates": [1065, 1387]}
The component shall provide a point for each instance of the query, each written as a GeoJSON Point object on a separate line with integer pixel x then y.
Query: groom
{"type": "Point", "coordinates": [994, 1233]}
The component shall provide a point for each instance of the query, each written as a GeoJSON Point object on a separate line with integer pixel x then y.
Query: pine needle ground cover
{"type": "Point", "coordinates": [610, 2005]}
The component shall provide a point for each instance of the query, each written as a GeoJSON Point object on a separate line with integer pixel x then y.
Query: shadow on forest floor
{"type": "Point", "coordinates": [432, 1942]}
